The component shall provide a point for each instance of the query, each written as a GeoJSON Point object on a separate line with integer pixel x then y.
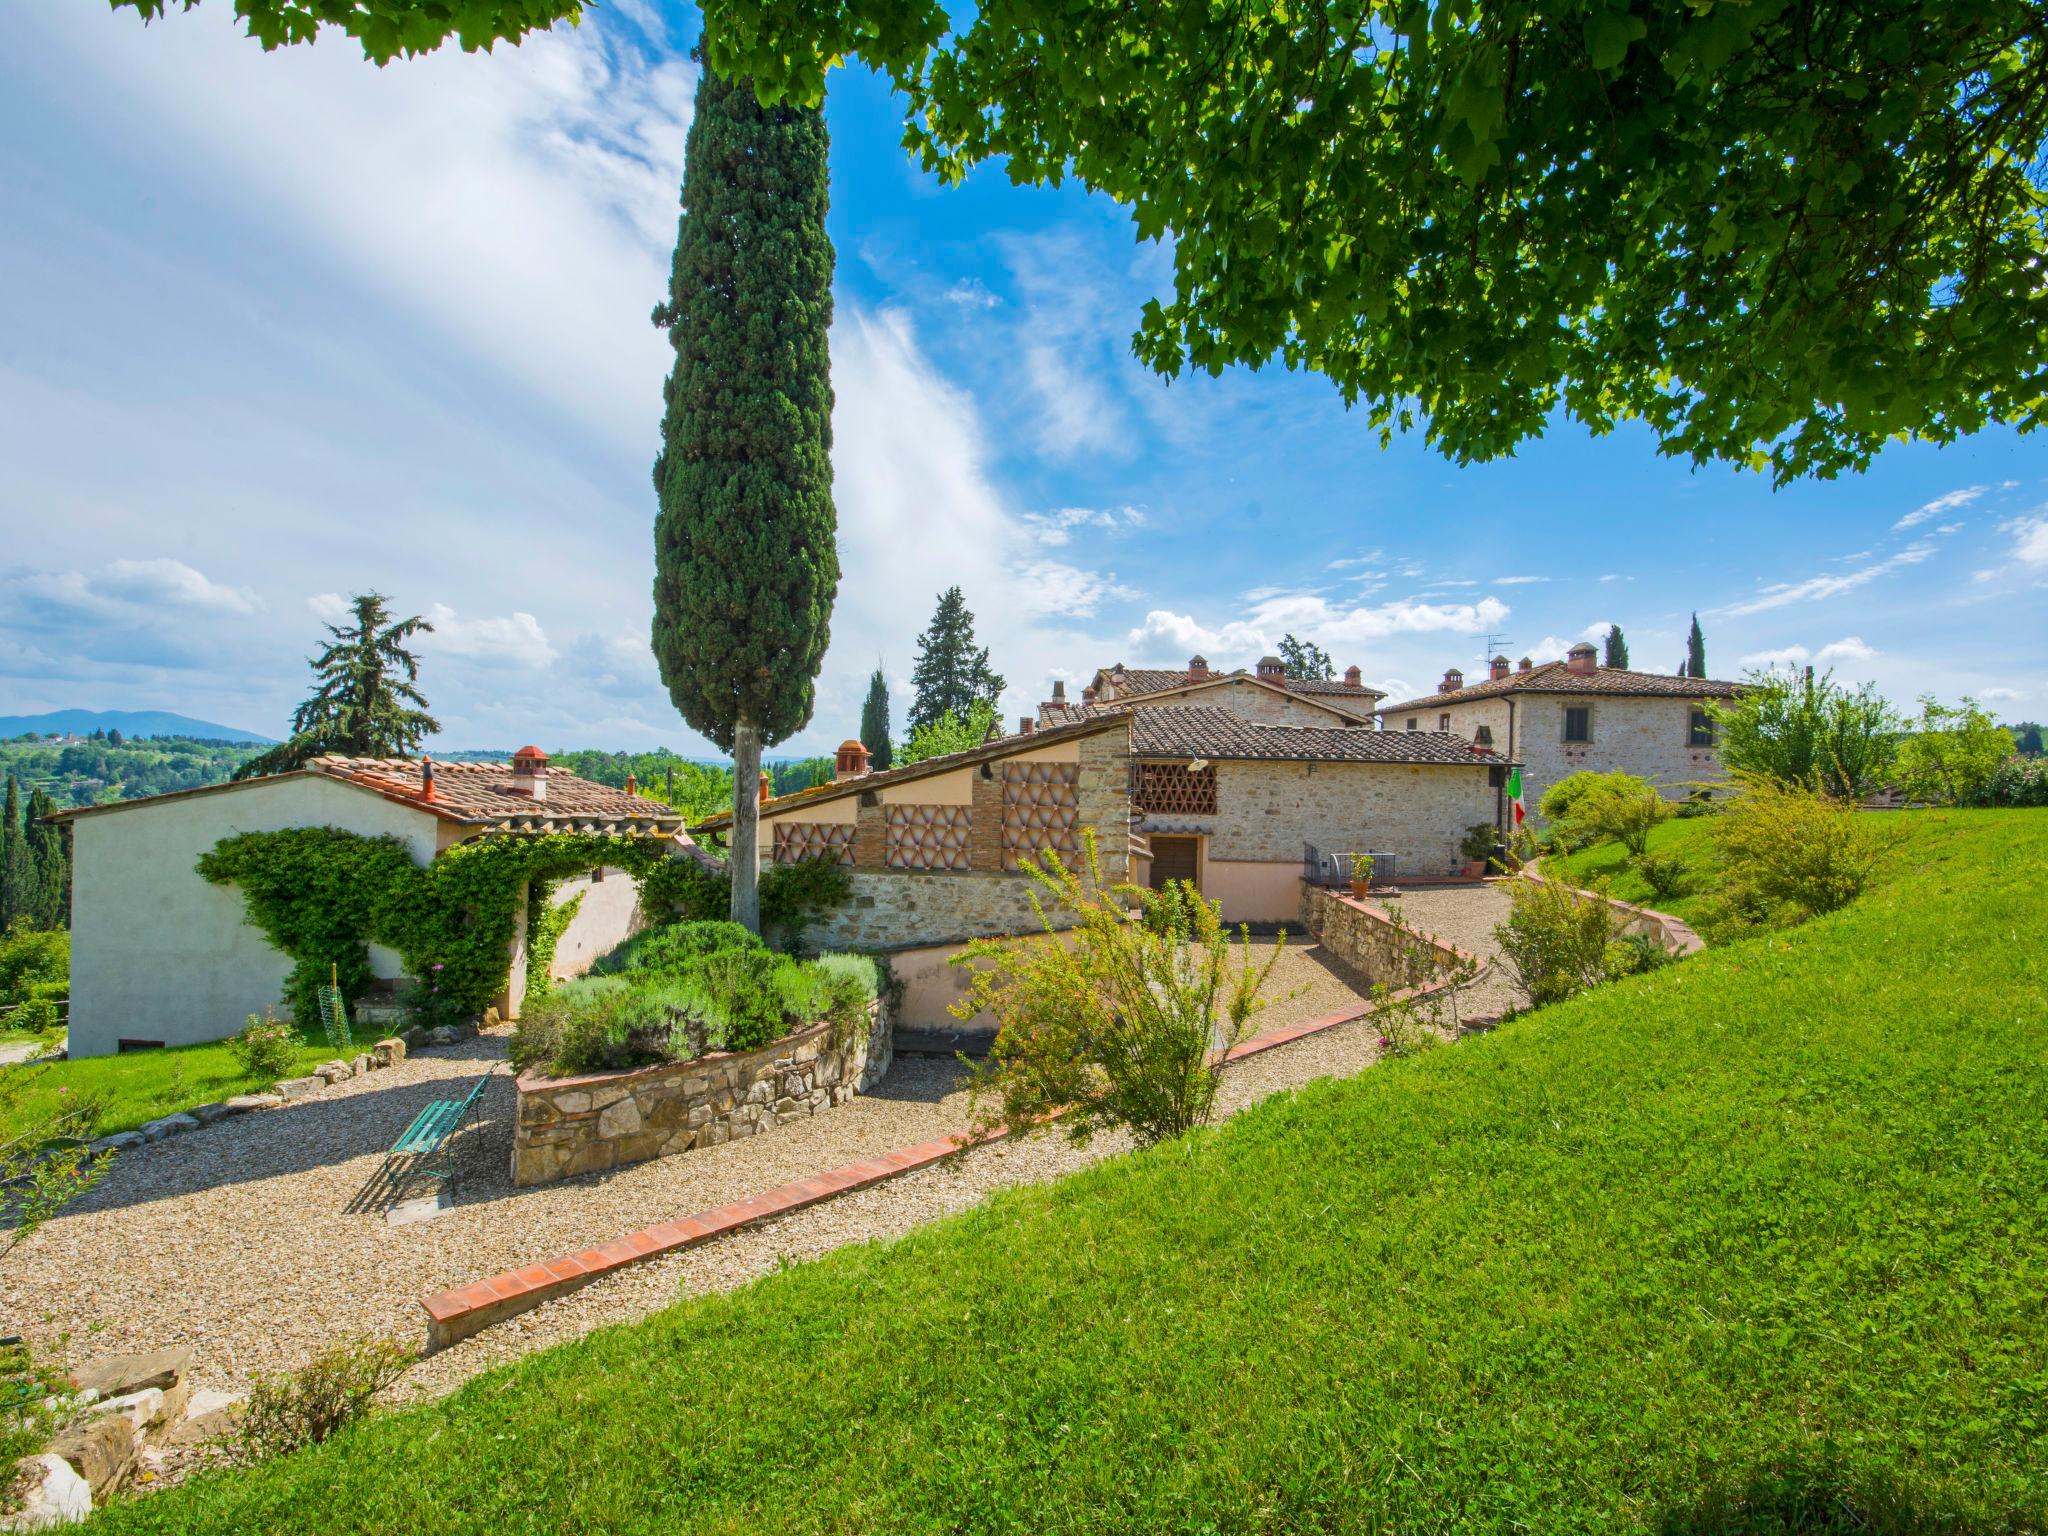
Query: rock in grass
{"type": "Point", "coordinates": [242, 1103]}
{"type": "Point", "coordinates": [299, 1087]}
{"type": "Point", "coordinates": [389, 1052]}
{"type": "Point", "coordinates": [120, 1141]}
{"type": "Point", "coordinates": [206, 1114]}
{"type": "Point", "coordinates": [102, 1451]}
{"type": "Point", "coordinates": [56, 1496]}
{"type": "Point", "coordinates": [168, 1125]}
{"type": "Point", "coordinates": [118, 1375]}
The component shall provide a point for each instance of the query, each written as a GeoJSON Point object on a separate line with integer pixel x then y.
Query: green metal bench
{"type": "Point", "coordinates": [431, 1136]}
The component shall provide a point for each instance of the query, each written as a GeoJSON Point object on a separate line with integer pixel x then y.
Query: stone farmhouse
{"type": "Point", "coordinates": [162, 957]}
{"type": "Point", "coordinates": [1193, 792]}
{"type": "Point", "coordinates": [1267, 693]}
{"type": "Point", "coordinates": [1564, 716]}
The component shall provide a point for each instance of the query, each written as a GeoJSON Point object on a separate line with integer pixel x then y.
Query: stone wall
{"type": "Point", "coordinates": [1673, 933]}
{"type": "Point", "coordinates": [1266, 811]}
{"type": "Point", "coordinates": [1364, 936]}
{"type": "Point", "coordinates": [898, 908]}
{"type": "Point", "coordinates": [572, 1125]}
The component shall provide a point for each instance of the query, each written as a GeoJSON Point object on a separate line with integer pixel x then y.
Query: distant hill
{"type": "Point", "coordinates": [129, 722]}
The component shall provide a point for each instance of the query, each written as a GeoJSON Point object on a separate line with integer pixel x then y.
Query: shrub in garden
{"type": "Point", "coordinates": [1665, 874]}
{"type": "Point", "coordinates": [1800, 729]}
{"type": "Point", "coordinates": [37, 1016]}
{"type": "Point", "coordinates": [1481, 843]}
{"type": "Point", "coordinates": [32, 959]}
{"type": "Point", "coordinates": [1634, 953]}
{"type": "Point", "coordinates": [27, 1419]}
{"type": "Point", "coordinates": [2018, 781]}
{"type": "Point", "coordinates": [1120, 1023]}
{"type": "Point", "coordinates": [1607, 807]}
{"type": "Point", "coordinates": [672, 946]}
{"type": "Point", "coordinates": [1555, 939]}
{"type": "Point", "coordinates": [267, 1050]}
{"type": "Point", "coordinates": [1950, 755]}
{"type": "Point", "coordinates": [1786, 845]}
{"type": "Point", "coordinates": [288, 1410]}
{"type": "Point", "coordinates": [44, 1164]}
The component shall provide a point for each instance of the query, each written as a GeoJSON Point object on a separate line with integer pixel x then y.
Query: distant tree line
{"type": "Point", "coordinates": [35, 870]}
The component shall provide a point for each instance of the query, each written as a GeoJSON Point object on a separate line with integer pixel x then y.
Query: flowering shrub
{"type": "Point", "coordinates": [266, 1049]}
{"type": "Point", "coordinates": [1555, 939]}
{"type": "Point", "coordinates": [1116, 1022]}
{"type": "Point", "coordinates": [2020, 781]}
{"type": "Point", "coordinates": [1786, 846]}
{"type": "Point", "coordinates": [431, 1003]}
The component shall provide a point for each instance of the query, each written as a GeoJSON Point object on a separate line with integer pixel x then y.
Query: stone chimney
{"type": "Point", "coordinates": [851, 763]}
{"type": "Point", "coordinates": [632, 785]}
{"type": "Point", "coordinates": [767, 788]}
{"type": "Point", "coordinates": [1453, 681]}
{"type": "Point", "coordinates": [1353, 678]}
{"type": "Point", "coordinates": [1582, 659]}
{"type": "Point", "coordinates": [530, 773]}
{"type": "Point", "coordinates": [1059, 696]}
{"type": "Point", "coordinates": [1525, 665]}
{"type": "Point", "coordinates": [1198, 669]}
{"type": "Point", "coordinates": [1499, 668]}
{"type": "Point", "coordinates": [1272, 669]}
{"type": "Point", "coordinates": [426, 778]}
{"type": "Point", "coordinates": [1026, 725]}
{"type": "Point", "coordinates": [1088, 695]}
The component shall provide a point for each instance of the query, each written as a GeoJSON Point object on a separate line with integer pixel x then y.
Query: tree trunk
{"type": "Point", "coordinates": [742, 859]}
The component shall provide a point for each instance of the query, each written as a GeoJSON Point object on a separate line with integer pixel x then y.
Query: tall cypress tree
{"type": "Point", "coordinates": [50, 905]}
{"type": "Point", "coordinates": [1696, 650]}
{"type": "Point", "coordinates": [874, 723]}
{"type": "Point", "coordinates": [1617, 648]}
{"type": "Point", "coordinates": [15, 877]}
{"type": "Point", "coordinates": [745, 565]}
{"type": "Point", "coordinates": [952, 674]}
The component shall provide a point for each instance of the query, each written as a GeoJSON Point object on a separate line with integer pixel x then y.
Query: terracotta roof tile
{"type": "Point", "coordinates": [482, 795]}
{"type": "Point", "coordinates": [1218, 733]}
{"type": "Point", "coordinates": [1556, 677]}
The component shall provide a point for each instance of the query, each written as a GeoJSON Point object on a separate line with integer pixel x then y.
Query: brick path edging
{"type": "Point", "coordinates": [461, 1313]}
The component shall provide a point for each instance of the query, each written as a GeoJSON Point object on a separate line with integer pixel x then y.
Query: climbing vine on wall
{"type": "Point", "coordinates": [545, 925]}
{"type": "Point", "coordinates": [323, 896]}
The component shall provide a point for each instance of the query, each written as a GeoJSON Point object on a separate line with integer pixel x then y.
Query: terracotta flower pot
{"type": "Point", "coordinates": [1359, 888]}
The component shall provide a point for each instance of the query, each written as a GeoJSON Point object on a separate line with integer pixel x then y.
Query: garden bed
{"type": "Point", "coordinates": [571, 1125]}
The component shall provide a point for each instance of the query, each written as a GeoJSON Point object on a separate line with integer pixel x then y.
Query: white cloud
{"type": "Point", "coordinates": [2000, 695]}
{"type": "Point", "coordinates": [1517, 581]}
{"type": "Point", "coordinates": [1057, 527]}
{"type": "Point", "coordinates": [1849, 649]}
{"type": "Point", "coordinates": [971, 293]}
{"type": "Point", "coordinates": [1948, 501]}
{"type": "Point", "coordinates": [133, 589]}
{"type": "Point", "coordinates": [515, 639]}
{"type": "Point", "coordinates": [328, 607]}
{"type": "Point", "coordinates": [2030, 541]}
{"type": "Point", "coordinates": [1165, 633]}
{"type": "Point", "coordinates": [514, 199]}
{"type": "Point", "coordinates": [1783, 595]}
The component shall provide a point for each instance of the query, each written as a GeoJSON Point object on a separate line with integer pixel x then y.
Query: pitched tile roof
{"type": "Point", "coordinates": [1085, 722]}
{"type": "Point", "coordinates": [482, 795]}
{"type": "Point", "coordinates": [1556, 677]}
{"type": "Point", "coordinates": [1220, 733]}
{"type": "Point", "coordinates": [476, 795]}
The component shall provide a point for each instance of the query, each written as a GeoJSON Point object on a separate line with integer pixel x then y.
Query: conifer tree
{"type": "Point", "coordinates": [1617, 648]}
{"type": "Point", "coordinates": [874, 723]}
{"type": "Point", "coordinates": [952, 674]}
{"type": "Point", "coordinates": [50, 903]}
{"type": "Point", "coordinates": [15, 877]}
{"type": "Point", "coordinates": [745, 561]}
{"type": "Point", "coordinates": [366, 701]}
{"type": "Point", "coordinates": [1696, 650]}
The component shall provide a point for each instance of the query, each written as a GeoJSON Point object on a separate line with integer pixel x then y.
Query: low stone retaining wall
{"type": "Point", "coordinates": [572, 1125]}
{"type": "Point", "coordinates": [1365, 937]}
{"type": "Point", "coordinates": [1674, 933]}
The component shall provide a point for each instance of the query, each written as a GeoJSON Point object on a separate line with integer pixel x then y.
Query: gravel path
{"type": "Point", "coordinates": [262, 1239]}
{"type": "Point", "coordinates": [1466, 915]}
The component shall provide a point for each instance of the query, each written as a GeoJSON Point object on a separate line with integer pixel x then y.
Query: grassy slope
{"type": "Point", "coordinates": [145, 1084]}
{"type": "Point", "coordinates": [1758, 1242]}
{"type": "Point", "coordinates": [1607, 864]}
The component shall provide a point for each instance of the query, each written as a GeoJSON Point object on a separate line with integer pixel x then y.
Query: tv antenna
{"type": "Point", "coordinates": [1495, 645]}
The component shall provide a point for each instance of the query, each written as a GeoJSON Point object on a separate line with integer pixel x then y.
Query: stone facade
{"type": "Point", "coordinates": [1365, 937]}
{"type": "Point", "coordinates": [1266, 811]}
{"type": "Point", "coordinates": [571, 1125]}
{"type": "Point", "coordinates": [1646, 736]}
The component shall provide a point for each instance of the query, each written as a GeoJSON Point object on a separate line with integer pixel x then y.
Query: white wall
{"type": "Point", "coordinates": [158, 953]}
{"type": "Point", "coordinates": [610, 915]}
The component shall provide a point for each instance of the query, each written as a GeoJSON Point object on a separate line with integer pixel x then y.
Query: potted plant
{"type": "Point", "coordinates": [1481, 843]}
{"type": "Point", "coordinates": [1361, 874]}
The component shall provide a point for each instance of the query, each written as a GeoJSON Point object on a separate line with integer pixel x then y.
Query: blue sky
{"type": "Point", "coordinates": [281, 327]}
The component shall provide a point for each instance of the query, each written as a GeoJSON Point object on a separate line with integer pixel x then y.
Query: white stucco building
{"type": "Point", "coordinates": [1564, 716]}
{"type": "Point", "coordinates": [160, 956]}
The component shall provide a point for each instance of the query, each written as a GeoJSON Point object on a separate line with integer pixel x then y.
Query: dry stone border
{"type": "Point", "coordinates": [388, 1052]}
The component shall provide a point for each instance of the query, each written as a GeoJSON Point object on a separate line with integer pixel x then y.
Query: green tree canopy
{"type": "Point", "coordinates": [388, 29]}
{"type": "Point", "coordinates": [1695, 651]}
{"type": "Point", "coordinates": [874, 723]}
{"type": "Point", "coordinates": [746, 565]}
{"type": "Point", "coordinates": [952, 674]}
{"type": "Point", "coordinates": [1304, 659]}
{"type": "Point", "coordinates": [1616, 654]}
{"type": "Point", "coordinates": [1777, 234]}
{"type": "Point", "coordinates": [366, 701]}
{"type": "Point", "coordinates": [949, 734]}
{"type": "Point", "coordinates": [1794, 728]}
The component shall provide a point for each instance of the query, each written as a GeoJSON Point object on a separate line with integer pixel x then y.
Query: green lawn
{"type": "Point", "coordinates": [1607, 864]}
{"type": "Point", "coordinates": [144, 1084]}
{"type": "Point", "coordinates": [1754, 1243]}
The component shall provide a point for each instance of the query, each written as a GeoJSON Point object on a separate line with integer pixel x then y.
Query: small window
{"type": "Point", "coordinates": [1483, 737]}
{"type": "Point", "coordinates": [1699, 732]}
{"type": "Point", "coordinates": [1443, 722]}
{"type": "Point", "coordinates": [1578, 723]}
{"type": "Point", "coordinates": [597, 874]}
{"type": "Point", "coordinates": [124, 1045]}
{"type": "Point", "coordinates": [1414, 724]}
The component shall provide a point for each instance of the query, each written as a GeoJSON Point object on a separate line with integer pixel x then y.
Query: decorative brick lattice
{"type": "Point", "coordinates": [926, 836]}
{"type": "Point", "coordinates": [795, 841]}
{"type": "Point", "coordinates": [1174, 789]}
{"type": "Point", "coordinates": [1041, 810]}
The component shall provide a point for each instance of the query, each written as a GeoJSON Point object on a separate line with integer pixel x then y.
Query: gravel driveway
{"type": "Point", "coordinates": [263, 1238]}
{"type": "Point", "coordinates": [1466, 915]}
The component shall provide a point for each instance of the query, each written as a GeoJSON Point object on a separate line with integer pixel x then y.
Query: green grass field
{"type": "Point", "coordinates": [1758, 1242]}
{"type": "Point", "coordinates": [1606, 865]}
{"type": "Point", "coordinates": [142, 1084]}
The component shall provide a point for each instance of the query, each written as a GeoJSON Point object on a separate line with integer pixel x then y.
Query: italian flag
{"type": "Point", "coordinates": [1515, 794]}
